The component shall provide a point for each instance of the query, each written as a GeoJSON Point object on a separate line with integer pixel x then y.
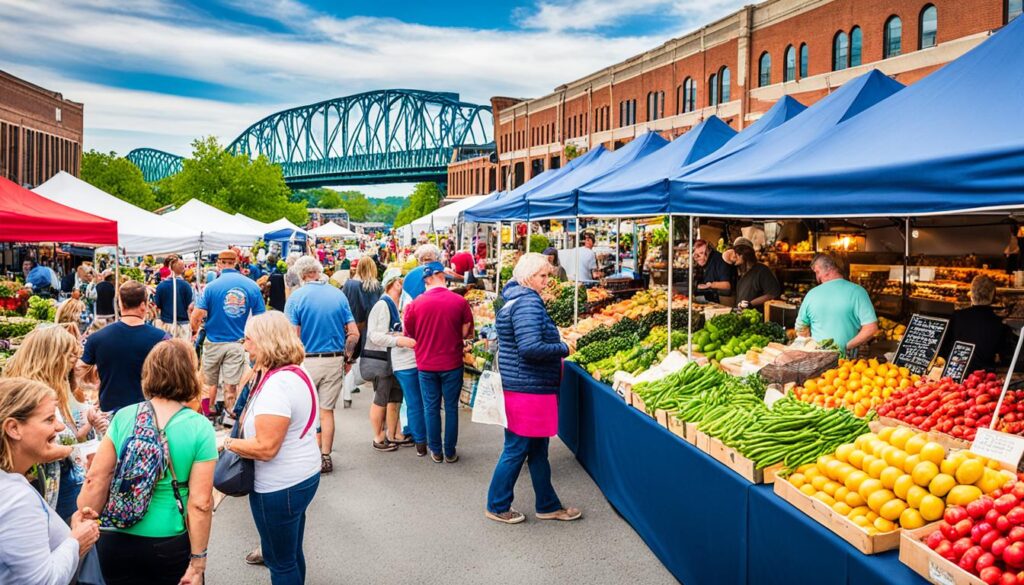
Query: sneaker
{"type": "Point", "coordinates": [385, 446]}
{"type": "Point", "coordinates": [509, 517]}
{"type": "Point", "coordinates": [421, 449]}
{"type": "Point", "coordinates": [452, 458]}
{"type": "Point", "coordinates": [436, 457]}
{"type": "Point", "coordinates": [565, 515]}
{"type": "Point", "coordinates": [255, 557]}
{"type": "Point", "coordinates": [326, 463]}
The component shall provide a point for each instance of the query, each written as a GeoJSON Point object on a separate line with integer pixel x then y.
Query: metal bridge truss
{"type": "Point", "coordinates": [155, 164]}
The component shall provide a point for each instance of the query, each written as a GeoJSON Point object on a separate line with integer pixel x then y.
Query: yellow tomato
{"type": "Point", "coordinates": [933, 452]}
{"type": "Point", "coordinates": [868, 487]}
{"type": "Point", "coordinates": [883, 525]}
{"type": "Point", "coordinates": [878, 499]}
{"type": "Point", "coordinates": [889, 476]}
{"type": "Point", "coordinates": [902, 485]}
{"type": "Point", "coordinates": [914, 495]}
{"type": "Point", "coordinates": [854, 499]}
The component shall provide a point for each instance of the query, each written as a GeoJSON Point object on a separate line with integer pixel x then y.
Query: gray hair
{"type": "Point", "coordinates": [529, 265]}
{"type": "Point", "coordinates": [307, 265]}
{"type": "Point", "coordinates": [427, 253]}
{"type": "Point", "coordinates": [983, 290]}
{"type": "Point", "coordinates": [292, 257]}
{"type": "Point", "coordinates": [826, 261]}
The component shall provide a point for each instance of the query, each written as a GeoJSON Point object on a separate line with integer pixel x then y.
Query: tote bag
{"type": "Point", "coordinates": [489, 402]}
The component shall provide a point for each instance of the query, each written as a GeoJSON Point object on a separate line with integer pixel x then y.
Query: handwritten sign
{"type": "Point", "coordinates": [920, 343]}
{"type": "Point", "coordinates": [958, 360]}
{"type": "Point", "coordinates": [999, 446]}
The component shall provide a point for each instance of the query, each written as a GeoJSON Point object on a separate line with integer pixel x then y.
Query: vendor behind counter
{"type": "Point", "coordinates": [978, 324]}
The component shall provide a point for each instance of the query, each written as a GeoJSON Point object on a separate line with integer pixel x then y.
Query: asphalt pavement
{"type": "Point", "coordinates": [396, 518]}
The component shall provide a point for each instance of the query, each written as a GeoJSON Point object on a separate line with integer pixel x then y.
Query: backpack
{"type": "Point", "coordinates": [144, 459]}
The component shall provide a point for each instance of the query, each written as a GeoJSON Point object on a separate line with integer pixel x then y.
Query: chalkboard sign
{"type": "Point", "coordinates": [920, 343]}
{"type": "Point", "coordinates": [958, 360]}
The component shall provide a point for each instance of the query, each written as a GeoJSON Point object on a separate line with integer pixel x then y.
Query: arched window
{"type": "Point", "coordinates": [689, 95]}
{"type": "Point", "coordinates": [892, 45]}
{"type": "Point", "coordinates": [804, 56]}
{"type": "Point", "coordinates": [713, 90]}
{"type": "Point", "coordinates": [840, 51]}
{"type": "Point", "coordinates": [929, 27]}
{"type": "Point", "coordinates": [856, 39]}
{"type": "Point", "coordinates": [764, 70]}
{"type": "Point", "coordinates": [789, 71]}
{"type": "Point", "coordinates": [724, 90]}
{"type": "Point", "coordinates": [1014, 8]}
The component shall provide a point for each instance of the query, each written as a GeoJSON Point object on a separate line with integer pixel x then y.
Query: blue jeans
{"type": "Point", "coordinates": [409, 380]}
{"type": "Point", "coordinates": [434, 386]}
{"type": "Point", "coordinates": [281, 521]}
{"type": "Point", "coordinates": [518, 449]}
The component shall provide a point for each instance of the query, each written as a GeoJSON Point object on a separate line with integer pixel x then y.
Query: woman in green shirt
{"type": "Point", "coordinates": [158, 549]}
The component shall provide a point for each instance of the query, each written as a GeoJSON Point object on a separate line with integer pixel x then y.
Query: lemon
{"type": "Point", "coordinates": [876, 468]}
{"type": "Point", "coordinates": [871, 516]}
{"type": "Point", "coordinates": [843, 452]}
{"type": "Point", "coordinates": [868, 487]}
{"type": "Point", "coordinates": [819, 482]}
{"type": "Point", "coordinates": [808, 489]}
{"type": "Point", "coordinates": [825, 498]}
{"type": "Point", "coordinates": [901, 486]}
{"type": "Point", "coordinates": [811, 472]}
{"type": "Point", "coordinates": [892, 509]}
{"type": "Point", "coordinates": [933, 452]}
{"type": "Point", "coordinates": [889, 476]}
{"type": "Point", "coordinates": [900, 436]}
{"type": "Point", "coordinates": [797, 479]}
{"type": "Point", "coordinates": [856, 458]}
{"type": "Point", "coordinates": [883, 525]}
{"type": "Point", "coordinates": [914, 495]}
{"type": "Point", "coordinates": [841, 508]}
{"type": "Point", "coordinates": [878, 447]}
{"type": "Point", "coordinates": [970, 471]}
{"type": "Point", "coordinates": [950, 464]}
{"type": "Point", "coordinates": [830, 488]}
{"type": "Point", "coordinates": [924, 472]}
{"type": "Point", "coordinates": [911, 463]}
{"type": "Point", "coordinates": [962, 495]}
{"type": "Point", "coordinates": [886, 434]}
{"type": "Point", "coordinates": [896, 458]}
{"type": "Point", "coordinates": [859, 511]}
{"type": "Point", "coordinates": [990, 481]}
{"type": "Point", "coordinates": [803, 468]}
{"type": "Point", "coordinates": [931, 508]}
{"type": "Point", "coordinates": [861, 521]}
{"type": "Point", "coordinates": [914, 444]}
{"type": "Point", "coordinates": [866, 463]}
{"type": "Point", "coordinates": [855, 500]}
{"type": "Point", "coordinates": [911, 519]}
{"type": "Point", "coordinates": [941, 485]}
{"type": "Point", "coordinates": [841, 493]}
{"type": "Point", "coordinates": [854, 480]}
{"type": "Point", "coordinates": [834, 468]}
{"type": "Point", "coordinates": [858, 443]}
{"type": "Point", "coordinates": [878, 498]}
{"type": "Point", "coordinates": [885, 452]}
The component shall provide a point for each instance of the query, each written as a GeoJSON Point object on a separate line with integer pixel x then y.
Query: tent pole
{"type": "Point", "coordinates": [689, 291]}
{"type": "Point", "coordinates": [497, 270]}
{"type": "Point", "coordinates": [904, 292]}
{"type": "Point", "coordinates": [529, 234]}
{"type": "Point", "coordinates": [117, 280]}
{"type": "Point", "coordinates": [618, 237]}
{"type": "Point", "coordinates": [671, 246]}
{"type": "Point", "coordinates": [576, 278]}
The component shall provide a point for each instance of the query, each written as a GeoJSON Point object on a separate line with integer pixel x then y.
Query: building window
{"type": "Point", "coordinates": [655, 105]}
{"type": "Point", "coordinates": [892, 44]}
{"type": "Point", "coordinates": [1014, 8]}
{"type": "Point", "coordinates": [929, 27]}
{"type": "Point", "coordinates": [688, 97]}
{"type": "Point", "coordinates": [789, 72]}
{"type": "Point", "coordinates": [764, 70]}
{"type": "Point", "coordinates": [840, 51]}
{"type": "Point", "coordinates": [804, 56]}
{"type": "Point", "coordinates": [724, 89]}
{"type": "Point", "coordinates": [856, 38]}
{"type": "Point", "coordinates": [57, 115]}
{"type": "Point", "coordinates": [713, 90]}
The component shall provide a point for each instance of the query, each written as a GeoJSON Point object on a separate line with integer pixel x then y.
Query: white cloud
{"type": "Point", "coordinates": [589, 15]}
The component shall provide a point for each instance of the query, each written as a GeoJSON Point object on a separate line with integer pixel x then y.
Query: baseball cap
{"type": "Point", "coordinates": [432, 268]}
{"type": "Point", "coordinates": [391, 275]}
{"type": "Point", "coordinates": [552, 251]}
{"type": "Point", "coordinates": [229, 255]}
{"type": "Point", "coordinates": [741, 241]}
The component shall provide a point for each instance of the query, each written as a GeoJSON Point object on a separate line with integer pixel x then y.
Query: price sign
{"type": "Point", "coordinates": [999, 446]}
{"type": "Point", "coordinates": [920, 343]}
{"type": "Point", "coordinates": [958, 360]}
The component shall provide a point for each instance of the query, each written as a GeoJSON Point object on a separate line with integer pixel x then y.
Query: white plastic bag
{"type": "Point", "coordinates": [489, 403]}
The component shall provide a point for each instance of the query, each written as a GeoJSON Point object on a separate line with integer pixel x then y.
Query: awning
{"type": "Point", "coordinates": [220, 229]}
{"type": "Point", "coordinates": [28, 217]}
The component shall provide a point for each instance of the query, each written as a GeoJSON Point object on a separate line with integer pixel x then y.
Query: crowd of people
{"type": "Point", "coordinates": [108, 418]}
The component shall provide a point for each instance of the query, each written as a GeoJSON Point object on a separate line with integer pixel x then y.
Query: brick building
{"type": "Point", "coordinates": [40, 132]}
{"type": "Point", "coordinates": [736, 68]}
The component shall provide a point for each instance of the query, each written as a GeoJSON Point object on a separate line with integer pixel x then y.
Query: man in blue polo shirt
{"type": "Point", "coordinates": [413, 284]}
{"type": "Point", "coordinates": [327, 328]}
{"type": "Point", "coordinates": [173, 297]}
{"type": "Point", "coordinates": [226, 305]}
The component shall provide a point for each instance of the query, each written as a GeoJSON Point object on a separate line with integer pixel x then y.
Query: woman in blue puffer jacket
{"type": "Point", "coordinates": [530, 356]}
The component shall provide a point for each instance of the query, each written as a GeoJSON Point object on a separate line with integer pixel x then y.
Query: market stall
{"type": "Point", "coordinates": [28, 217]}
{"type": "Point", "coordinates": [332, 230]}
{"type": "Point", "coordinates": [219, 229]}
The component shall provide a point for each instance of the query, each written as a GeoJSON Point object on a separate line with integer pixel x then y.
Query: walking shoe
{"type": "Point", "coordinates": [406, 442]}
{"type": "Point", "coordinates": [255, 557]}
{"type": "Point", "coordinates": [565, 515]}
{"type": "Point", "coordinates": [326, 463]}
{"type": "Point", "coordinates": [348, 404]}
{"type": "Point", "coordinates": [421, 449]}
{"type": "Point", "coordinates": [451, 458]}
{"type": "Point", "coordinates": [385, 446]}
{"type": "Point", "coordinates": [509, 517]}
{"type": "Point", "coordinates": [436, 457]}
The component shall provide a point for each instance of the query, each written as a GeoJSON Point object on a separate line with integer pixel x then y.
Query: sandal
{"type": "Point", "coordinates": [406, 442]}
{"type": "Point", "coordinates": [326, 463]}
{"type": "Point", "coordinates": [564, 515]}
{"type": "Point", "coordinates": [385, 446]}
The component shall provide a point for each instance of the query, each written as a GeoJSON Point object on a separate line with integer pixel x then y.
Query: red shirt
{"type": "Point", "coordinates": [435, 321]}
{"type": "Point", "coordinates": [462, 263]}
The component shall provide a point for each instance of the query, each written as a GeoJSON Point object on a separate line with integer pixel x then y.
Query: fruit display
{"type": "Point", "coordinates": [957, 409]}
{"type": "Point", "coordinates": [859, 385]}
{"type": "Point", "coordinates": [732, 334]}
{"type": "Point", "coordinates": [985, 537]}
{"type": "Point", "coordinates": [640, 304]}
{"type": "Point", "coordinates": [890, 330]}
{"type": "Point", "coordinates": [897, 478]}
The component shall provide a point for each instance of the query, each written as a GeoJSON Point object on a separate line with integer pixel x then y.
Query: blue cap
{"type": "Point", "coordinates": [432, 268]}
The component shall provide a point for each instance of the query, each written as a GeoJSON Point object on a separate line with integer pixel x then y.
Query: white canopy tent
{"type": "Point", "coordinates": [332, 230]}
{"type": "Point", "coordinates": [439, 219]}
{"type": "Point", "coordinates": [281, 224]}
{"type": "Point", "coordinates": [139, 231]}
{"type": "Point", "coordinates": [254, 223]}
{"type": "Point", "coordinates": [220, 229]}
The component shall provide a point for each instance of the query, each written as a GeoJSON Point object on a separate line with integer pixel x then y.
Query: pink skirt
{"type": "Point", "coordinates": [532, 415]}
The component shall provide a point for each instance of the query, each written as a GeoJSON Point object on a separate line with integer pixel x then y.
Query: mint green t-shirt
{"type": "Point", "coordinates": [836, 310]}
{"type": "Point", "coordinates": [190, 439]}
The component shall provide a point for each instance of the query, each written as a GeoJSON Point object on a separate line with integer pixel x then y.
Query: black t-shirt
{"type": "Point", "coordinates": [981, 326]}
{"type": "Point", "coordinates": [105, 298]}
{"type": "Point", "coordinates": [757, 281]}
{"type": "Point", "coordinates": [277, 296]}
{"type": "Point", "coordinates": [118, 351]}
{"type": "Point", "coordinates": [717, 270]}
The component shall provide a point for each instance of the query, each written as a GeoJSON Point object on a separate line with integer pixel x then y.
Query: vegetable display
{"type": "Point", "coordinates": [859, 385]}
{"type": "Point", "coordinates": [41, 309]}
{"type": "Point", "coordinates": [733, 334]}
{"type": "Point", "coordinates": [636, 358]}
{"type": "Point", "coordinates": [562, 308]}
{"type": "Point", "coordinates": [957, 409]}
{"type": "Point", "coordinates": [897, 478]}
{"type": "Point", "coordinates": [13, 327]}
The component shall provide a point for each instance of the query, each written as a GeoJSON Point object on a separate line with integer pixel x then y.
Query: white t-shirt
{"type": "Point", "coordinates": [587, 263]}
{"type": "Point", "coordinates": [286, 394]}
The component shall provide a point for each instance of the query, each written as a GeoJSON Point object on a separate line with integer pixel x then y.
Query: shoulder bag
{"type": "Point", "coordinates": [377, 364]}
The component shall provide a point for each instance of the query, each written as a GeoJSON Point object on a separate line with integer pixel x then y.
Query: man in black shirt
{"type": "Point", "coordinates": [717, 277]}
{"type": "Point", "coordinates": [103, 292]}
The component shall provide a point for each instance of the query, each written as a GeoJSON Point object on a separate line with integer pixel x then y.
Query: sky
{"type": "Point", "coordinates": [160, 73]}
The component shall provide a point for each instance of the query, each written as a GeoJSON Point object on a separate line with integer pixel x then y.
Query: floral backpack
{"type": "Point", "coordinates": [144, 459]}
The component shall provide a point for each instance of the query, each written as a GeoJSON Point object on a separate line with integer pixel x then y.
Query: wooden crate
{"type": "Point", "coordinates": [677, 428]}
{"type": "Point", "coordinates": [662, 417]}
{"type": "Point", "coordinates": [735, 461]}
{"type": "Point", "coordinates": [841, 525]}
{"type": "Point", "coordinates": [638, 403]}
{"type": "Point", "coordinates": [922, 560]}
{"type": "Point", "coordinates": [691, 433]}
{"type": "Point", "coordinates": [701, 441]}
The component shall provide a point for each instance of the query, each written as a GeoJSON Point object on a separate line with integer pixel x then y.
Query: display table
{"type": "Point", "coordinates": [704, 522]}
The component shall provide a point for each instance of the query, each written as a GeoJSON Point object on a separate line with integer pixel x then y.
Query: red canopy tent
{"type": "Point", "coordinates": [27, 217]}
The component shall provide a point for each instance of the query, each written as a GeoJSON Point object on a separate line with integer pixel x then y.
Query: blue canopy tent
{"type": "Point", "coordinates": [641, 187]}
{"type": "Point", "coordinates": [695, 187]}
{"type": "Point", "coordinates": [558, 198]}
{"type": "Point", "coordinates": [950, 143]}
{"type": "Point", "coordinates": [285, 236]}
{"type": "Point", "coordinates": [511, 205]}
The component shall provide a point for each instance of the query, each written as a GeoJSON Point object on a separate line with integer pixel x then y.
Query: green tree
{"type": "Point", "coordinates": [424, 199]}
{"type": "Point", "coordinates": [233, 183]}
{"type": "Point", "coordinates": [119, 177]}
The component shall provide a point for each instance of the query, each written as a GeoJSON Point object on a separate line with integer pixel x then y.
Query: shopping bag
{"type": "Point", "coordinates": [489, 405]}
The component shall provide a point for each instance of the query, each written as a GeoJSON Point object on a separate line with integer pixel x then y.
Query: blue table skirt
{"type": "Point", "coordinates": [704, 522]}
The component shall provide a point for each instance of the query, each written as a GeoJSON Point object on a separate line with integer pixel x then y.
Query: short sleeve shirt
{"type": "Point", "coordinates": [190, 439]}
{"type": "Point", "coordinates": [757, 281]}
{"type": "Point", "coordinates": [462, 263]}
{"type": "Point", "coordinates": [435, 321]}
{"type": "Point", "coordinates": [118, 352]}
{"type": "Point", "coordinates": [717, 270]}
{"type": "Point", "coordinates": [229, 301]}
{"type": "Point", "coordinates": [836, 310]}
{"type": "Point", "coordinates": [413, 284]}
{"type": "Point", "coordinates": [165, 299]}
{"type": "Point", "coordinates": [321, 312]}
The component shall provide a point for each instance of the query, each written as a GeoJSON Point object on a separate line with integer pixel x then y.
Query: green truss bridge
{"type": "Point", "coordinates": [384, 136]}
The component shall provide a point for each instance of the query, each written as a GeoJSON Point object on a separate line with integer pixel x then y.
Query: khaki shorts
{"type": "Point", "coordinates": [223, 362]}
{"type": "Point", "coordinates": [328, 375]}
{"type": "Point", "coordinates": [179, 331]}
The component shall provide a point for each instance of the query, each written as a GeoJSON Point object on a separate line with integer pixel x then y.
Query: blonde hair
{"type": "Point", "coordinates": [276, 339]}
{"type": "Point", "coordinates": [19, 398]}
{"type": "Point", "coordinates": [171, 371]}
{"type": "Point", "coordinates": [43, 357]}
{"type": "Point", "coordinates": [69, 313]}
{"type": "Point", "coordinates": [366, 271]}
